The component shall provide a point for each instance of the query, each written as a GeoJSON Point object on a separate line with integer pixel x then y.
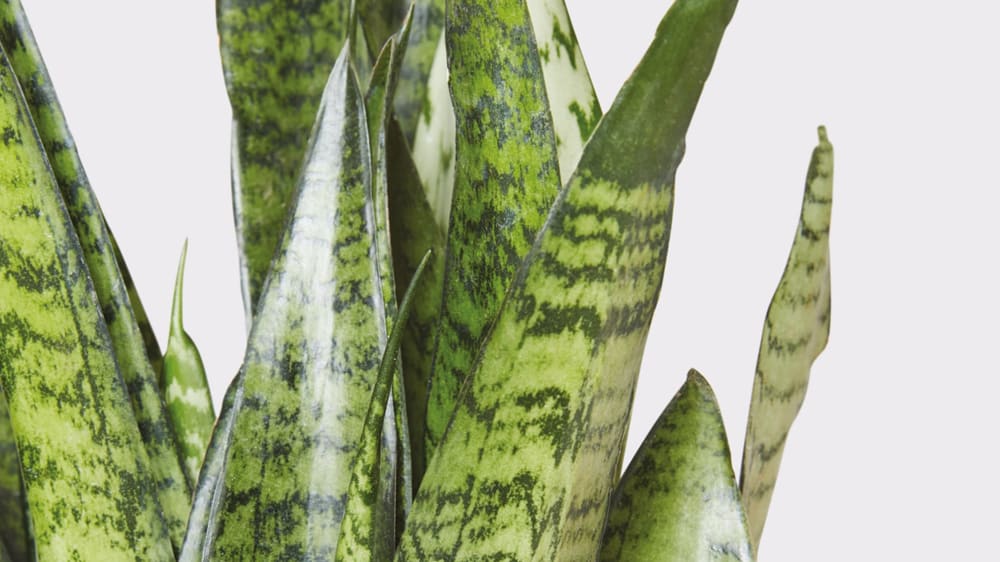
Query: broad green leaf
{"type": "Point", "coordinates": [185, 387]}
{"type": "Point", "coordinates": [207, 493]}
{"type": "Point", "coordinates": [364, 535]}
{"type": "Point", "coordinates": [312, 356]}
{"type": "Point", "coordinates": [82, 456]}
{"type": "Point", "coordinates": [678, 498]}
{"type": "Point", "coordinates": [530, 456]}
{"type": "Point", "coordinates": [426, 24]}
{"type": "Point", "coordinates": [413, 233]}
{"type": "Point", "coordinates": [434, 139]}
{"type": "Point", "coordinates": [14, 532]}
{"type": "Point", "coordinates": [573, 102]}
{"type": "Point", "coordinates": [276, 57]}
{"type": "Point", "coordinates": [507, 177]}
{"type": "Point", "coordinates": [796, 330]}
{"type": "Point", "coordinates": [129, 347]}
{"type": "Point", "coordinates": [141, 318]}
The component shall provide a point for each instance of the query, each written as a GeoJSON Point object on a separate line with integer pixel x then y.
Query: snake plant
{"type": "Point", "coordinates": [450, 256]}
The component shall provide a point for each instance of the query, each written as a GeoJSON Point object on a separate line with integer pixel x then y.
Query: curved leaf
{"type": "Point", "coordinates": [313, 353]}
{"type": "Point", "coordinates": [129, 345]}
{"type": "Point", "coordinates": [14, 531]}
{"type": "Point", "coordinates": [678, 498]}
{"type": "Point", "coordinates": [141, 318]}
{"type": "Point", "coordinates": [426, 24]}
{"type": "Point", "coordinates": [89, 483]}
{"type": "Point", "coordinates": [796, 330]}
{"type": "Point", "coordinates": [276, 57]}
{"type": "Point", "coordinates": [185, 387]}
{"type": "Point", "coordinates": [506, 179]}
{"type": "Point", "coordinates": [529, 459]}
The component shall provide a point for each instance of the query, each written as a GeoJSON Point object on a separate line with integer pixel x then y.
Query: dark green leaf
{"type": "Point", "coordinates": [796, 330]}
{"type": "Point", "coordinates": [530, 457]}
{"type": "Point", "coordinates": [14, 531]}
{"type": "Point", "coordinates": [678, 499]}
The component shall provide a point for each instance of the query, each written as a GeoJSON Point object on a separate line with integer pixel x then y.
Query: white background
{"type": "Point", "coordinates": [894, 456]}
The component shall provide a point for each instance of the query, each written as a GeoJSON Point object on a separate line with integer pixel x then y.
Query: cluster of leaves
{"type": "Point", "coordinates": [450, 263]}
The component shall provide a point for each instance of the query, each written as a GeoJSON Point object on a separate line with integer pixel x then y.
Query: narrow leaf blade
{"type": "Point", "coordinates": [426, 25]}
{"type": "Point", "coordinates": [796, 330]}
{"type": "Point", "coordinates": [14, 530]}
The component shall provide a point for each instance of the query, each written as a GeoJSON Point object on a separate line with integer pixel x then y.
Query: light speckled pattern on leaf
{"type": "Point", "coordinates": [129, 347]}
{"type": "Point", "coordinates": [185, 387]}
{"type": "Point", "coordinates": [507, 177]}
{"type": "Point", "coordinates": [796, 330]}
{"type": "Point", "coordinates": [364, 535]}
{"type": "Point", "coordinates": [678, 498]}
{"type": "Point", "coordinates": [83, 461]}
{"type": "Point", "coordinates": [313, 353]}
{"type": "Point", "coordinates": [276, 56]}
{"type": "Point", "coordinates": [528, 462]}
{"type": "Point", "coordinates": [426, 24]}
{"type": "Point", "coordinates": [14, 531]}
{"type": "Point", "coordinates": [572, 100]}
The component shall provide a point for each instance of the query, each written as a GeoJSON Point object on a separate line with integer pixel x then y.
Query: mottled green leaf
{"type": "Point", "coordinates": [363, 535]}
{"type": "Point", "coordinates": [312, 356]}
{"type": "Point", "coordinates": [529, 459]}
{"type": "Point", "coordinates": [90, 487]}
{"type": "Point", "coordinates": [99, 256]}
{"type": "Point", "coordinates": [413, 233]}
{"type": "Point", "coordinates": [795, 332]}
{"type": "Point", "coordinates": [276, 56]}
{"type": "Point", "coordinates": [572, 100]}
{"type": "Point", "coordinates": [507, 177]}
{"type": "Point", "coordinates": [14, 531]}
{"type": "Point", "coordinates": [426, 24]}
{"type": "Point", "coordinates": [678, 498]}
{"type": "Point", "coordinates": [141, 318]}
{"type": "Point", "coordinates": [185, 387]}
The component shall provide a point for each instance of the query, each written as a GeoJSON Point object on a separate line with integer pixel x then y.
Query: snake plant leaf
{"type": "Point", "coordinates": [678, 498]}
{"type": "Point", "coordinates": [516, 477]}
{"type": "Point", "coordinates": [413, 233]}
{"type": "Point", "coordinates": [4, 555]}
{"type": "Point", "coordinates": [507, 177]}
{"type": "Point", "coordinates": [141, 318]}
{"type": "Point", "coordinates": [574, 104]}
{"type": "Point", "coordinates": [363, 536]}
{"type": "Point", "coordinates": [313, 353]}
{"type": "Point", "coordinates": [796, 330]}
{"type": "Point", "coordinates": [205, 504]}
{"type": "Point", "coordinates": [434, 139]}
{"type": "Point", "coordinates": [82, 456]}
{"type": "Point", "coordinates": [426, 23]}
{"type": "Point", "coordinates": [14, 531]}
{"type": "Point", "coordinates": [380, 20]}
{"type": "Point", "coordinates": [84, 210]}
{"type": "Point", "coordinates": [276, 57]}
{"type": "Point", "coordinates": [185, 387]}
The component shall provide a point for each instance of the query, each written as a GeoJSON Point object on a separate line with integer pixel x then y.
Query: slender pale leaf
{"type": "Point", "coordinates": [14, 532]}
{"type": "Point", "coordinates": [129, 346]}
{"type": "Point", "coordinates": [313, 353]}
{"type": "Point", "coordinates": [678, 499]}
{"type": "Point", "coordinates": [426, 24]}
{"type": "Point", "coordinates": [529, 460]}
{"type": "Point", "coordinates": [434, 139]}
{"type": "Point", "coordinates": [796, 330]}
{"type": "Point", "coordinates": [185, 387]}
{"type": "Point", "coordinates": [90, 487]}
{"type": "Point", "coordinates": [575, 108]}
{"type": "Point", "coordinates": [363, 535]}
{"type": "Point", "coordinates": [507, 177]}
{"type": "Point", "coordinates": [276, 56]}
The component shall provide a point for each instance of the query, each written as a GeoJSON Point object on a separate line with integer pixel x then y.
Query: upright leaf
{"type": "Point", "coordinates": [313, 354]}
{"type": "Point", "coordinates": [574, 104]}
{"type": "Point", "coordinates": [129, 347]}
{"type": "Point", "coordinates": [141, 318]}
{"type": "Point", "coordinates": [276, 57]}
{"type": "Point", "coordinates": [14, 531]}
{"type": "Point", "coordinates": [380, 19]}
{"type": "Point", "coordinates": [506, 178]}
{"type": "Point", "coordinates": [426, 24]}
{"type": "Point", "coordinates": [434, 139]}
{"type": "Point", "coordinates": [90, 487]}
{"type": "Point", "coordinates": [796, 330]}
{"type": "Point", "coordinates": [529, 459]}
{"type": "Point", "coordinates": [678, 499]}
{"type": "Point", "coordinates": [185, 387]}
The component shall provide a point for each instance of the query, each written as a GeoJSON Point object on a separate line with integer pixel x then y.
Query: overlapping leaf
{"type": "Point", "coordinates": [14, 533]}
{"type": "Point", "coordinates": [91, 489]}
{"type": "Point", "coordinates": [678, 499]}
{"type": "Point", "coordinates": [530, 457]}
{"type": "Point", "coordinates": [426, 24]}
{"type": "Point", "coordinates": [796, 330]}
